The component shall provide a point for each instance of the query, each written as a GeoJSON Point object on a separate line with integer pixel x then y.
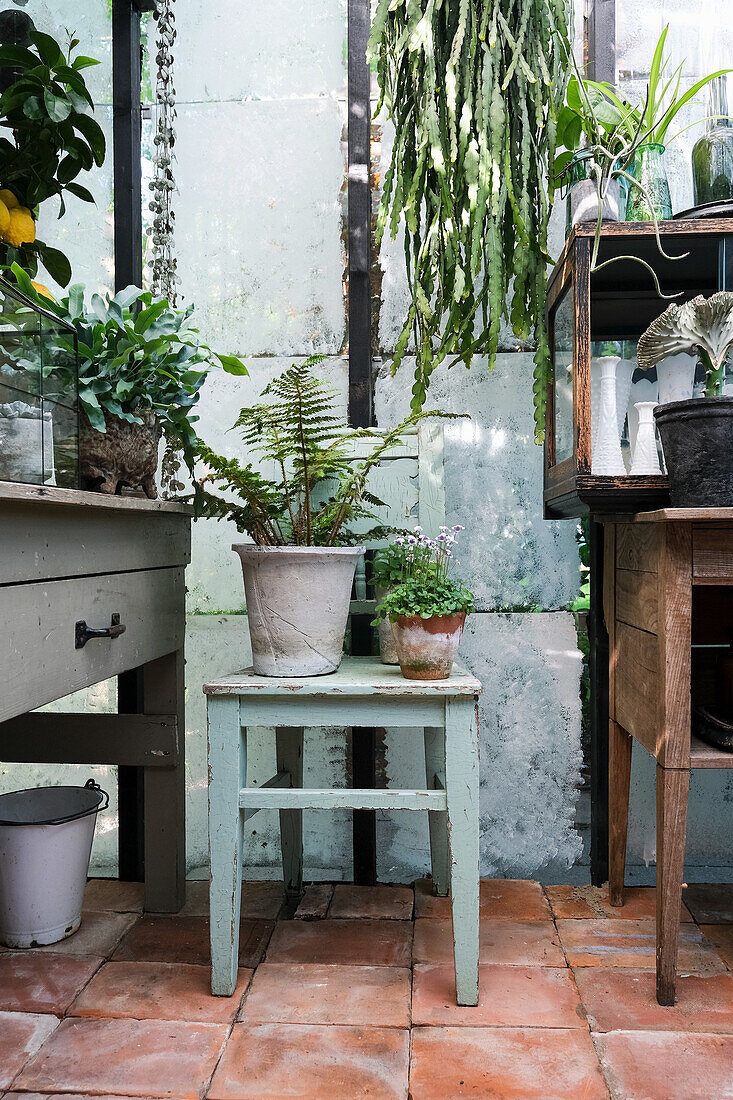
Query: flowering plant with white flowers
{"type": "Point", "coordinates": [418, 566]}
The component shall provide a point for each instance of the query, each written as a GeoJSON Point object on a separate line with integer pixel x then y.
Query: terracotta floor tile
{"type": "Point", "coordinates": [667, 1065]}
{"type": "Point", "coordinates": [312, 1063]}
{"type": "Point", "coordinates": [504, 1064]}
{"type": "Point", "coordinates": [260, 900]}
{"type": "Point", "coordinates": [186, 940]}
{"type": "Point", "coordinates": [31, 982]}
{"type": "Point", "coordinates": [509, 996]}
{"type": "Point", "coordinates": [126, 1057]}
{"type": "Point", "coordinates": [363, 996]}
{"type": "Point", "coordinates": [721, 937]}
{"type": "Point", "coordinates": [98, 934]}
{"type": "Point", "coordinates": [76, 1096]}
{"type": "Point", "coordinates": [633, 943]}
{"type": "Point", "coordinates": [624, 999]}
{"type": "Point", "coordinates": [500, 899]}
{"type": "Point", "coordinates": [512, 943]}
{"type": "Point", "coordinates": [21, 1035]}
{"type": "Point", "coordinates": [710, 903]}
{"type": "Point", "coordinates": [354, 942]}
{"type": "Point", "coordinates": [577, 902]}
{"type": "Point", "coordinates": [375, 902]}
{"type": "Point", "coordinates": [315, 901]}
{"type": "Point", "coordinates": [111, 895]}
{"type": "Point", "coordinates": [158, 991]}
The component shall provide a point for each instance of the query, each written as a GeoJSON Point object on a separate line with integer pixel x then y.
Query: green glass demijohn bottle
{"type": "Point", "coordinates": [712, 155]}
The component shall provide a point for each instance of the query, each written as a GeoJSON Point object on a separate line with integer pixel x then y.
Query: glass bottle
{"type": "Point", "coordinates": [648, 168]}
{"type": "Point", "coordinates": [712, 154]}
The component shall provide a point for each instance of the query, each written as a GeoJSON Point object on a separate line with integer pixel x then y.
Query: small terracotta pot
{"type": "Point", "coordinates": [427, 647]}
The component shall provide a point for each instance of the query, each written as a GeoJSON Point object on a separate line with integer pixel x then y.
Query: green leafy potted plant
{"type": "Point", "coordinates": [696, 434]}
{"type": "Point", "coordinates": [47, 139]}
{"type": "Point", "coordinates": [299, 569]}
{"type": "Point", "coordinates": [389, 569]}
{"type": "Point", "coordinates": [141, 367]}
{"type": "Point", "coordinates": [428, 609]}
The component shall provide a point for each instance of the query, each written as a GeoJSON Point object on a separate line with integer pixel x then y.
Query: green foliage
{"type": "Point", "coordinates": [389, 567]}
{"type": "Point", "coordinates": [419, 566]}
{"type": "Point", "coordinates": [136, 353]}
{"type": "Point", "coordinates": [49, 136]}
{"type": "Point", "coordinates": [317, 489]}
{"type": "Point", "coordinates": [426, 596]}
{"type": "Point", "coordinates": [474, 88]}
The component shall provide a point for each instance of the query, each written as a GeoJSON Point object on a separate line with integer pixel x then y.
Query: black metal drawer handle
{"type": "Point", "coordinates": [82, 632]}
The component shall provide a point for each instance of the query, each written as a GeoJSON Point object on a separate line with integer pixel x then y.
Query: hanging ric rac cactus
{"type": "Point", "coordinates": [473, 88]}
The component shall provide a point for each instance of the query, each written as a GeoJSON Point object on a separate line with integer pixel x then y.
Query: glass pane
{"type": "Point", "coordinates": [703, 44]}
{"type": "Point", "coordinates": [562, 358]}
{"type": "Point", "coordinates": [85, 234]}
{"type": "Point", "coordinates": [22, 428]}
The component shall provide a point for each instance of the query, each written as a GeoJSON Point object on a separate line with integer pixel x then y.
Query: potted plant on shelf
{"type": "Point", "coordinates": [299, 568]}
{"type": "Point", "coordinates": [141, 367]}
{"type": "Point", "coordinates": [696, 434]}
{"type": "Point", "coordinates": [48, 138]}
{"type": "Point", "coordinates": [428, 609]}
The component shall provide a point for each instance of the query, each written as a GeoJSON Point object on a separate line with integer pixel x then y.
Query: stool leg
{"type": "Point", "coordinates": [673, 787]}
{"type": "Point", "coordinates": [227, 773]}
{"type": "Point", "coordinates": [619, 776]}
{"type": "Point", "coordinates": [462, 790]}
{"type": "Point", "coordinates": [437, 819]}
{"type": "Point", "coordinates": [289, 741]}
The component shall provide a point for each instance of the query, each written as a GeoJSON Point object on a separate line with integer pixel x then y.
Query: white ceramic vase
{"type": "Point", "coordinates": [676, 376]}
{"type": "Point", "coordinates": [645, 458]}
{"type": "Point", "coordinates": [606, 456]}
{"type": "Point", "coordinates": [584, 201]}
{"type": "Point", "coordinates": [641, 391]}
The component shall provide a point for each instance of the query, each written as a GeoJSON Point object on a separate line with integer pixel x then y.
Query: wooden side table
{"type": "Point", "coordinates": [362, 693]}
{"type": "Point", "coordinates": [668, 583]}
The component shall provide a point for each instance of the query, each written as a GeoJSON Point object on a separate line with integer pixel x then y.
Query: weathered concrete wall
{"type": "Point", "coordinates": [260, 244]}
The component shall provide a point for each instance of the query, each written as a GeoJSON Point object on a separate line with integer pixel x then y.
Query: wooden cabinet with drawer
{"type": "Point", "coordinates": [72, 565]}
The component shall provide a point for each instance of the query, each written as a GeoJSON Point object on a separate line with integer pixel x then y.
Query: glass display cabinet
{"type": "Point", "coordinates": [601, 450]}
{"type": "Point", "coordinates": [39, 376]}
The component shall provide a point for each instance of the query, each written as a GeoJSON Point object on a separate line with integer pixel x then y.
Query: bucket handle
{"type": "Point", "coordinates": [90, 785]}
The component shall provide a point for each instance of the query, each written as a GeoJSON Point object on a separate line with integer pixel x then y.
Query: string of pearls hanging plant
{"type": "Point", "coordinates": [163, 259]}
{"type": "Point", "coordinates": [474, 88]}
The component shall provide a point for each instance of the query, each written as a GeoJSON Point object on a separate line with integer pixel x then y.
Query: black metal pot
{"type": "Point", "coordinates": [697, 439]}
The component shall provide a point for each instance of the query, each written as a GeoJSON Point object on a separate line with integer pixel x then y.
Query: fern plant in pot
{"type": "Point", "coordinates": [306, 519]}
{"type": "Point", "coordinates": [696, 434]}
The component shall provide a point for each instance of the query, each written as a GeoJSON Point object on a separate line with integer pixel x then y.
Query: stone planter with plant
{"type": "Point", "coordinates": [697, 435]}
{"type": "Point", "coordinates": [428, 609]}
{"type": "Point", "coordinates": [141, 367]}
{"type": "Point", "coordinates": [299, 568]}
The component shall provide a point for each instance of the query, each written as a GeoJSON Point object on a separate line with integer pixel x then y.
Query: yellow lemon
{"type": "Point", "coordinates": [8, 198]}
{"type": "Point", "coordinates": [42, 290]}
{"type": "Point", "coordinates": [4, 218]}
{"type": "Point", "coordinates": [22, 228]}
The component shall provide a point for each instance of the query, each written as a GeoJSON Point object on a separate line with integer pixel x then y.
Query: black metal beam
{"type": "Point", "coordinates": [359, 216]}
{"type": "Point", "coordinates": [360, 377]}
{"type": "Point", "coordinates": [600, 36]}
{"type": "Point", "coordinates": [127, 123]}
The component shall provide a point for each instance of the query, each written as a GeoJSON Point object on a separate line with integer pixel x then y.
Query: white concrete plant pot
{"type": "Point", "coordinates": [584, 202]}
{"type": "Point", "coordinates": [297, 606]}
{"type": "Point", "coordinates": [387, 644]}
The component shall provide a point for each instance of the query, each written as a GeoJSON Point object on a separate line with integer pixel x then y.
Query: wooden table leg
{"type": "Point", "coordinates": [462, 791]}
{"type": "Point", "coordinates": [619, 776]}
{"type": "Point", "coordinates": [165, 792]}
{"type": "Point", "coordinates": [437, 819]}
{"type": "Point", "coordinates": [289, 741]}
{"type": "Point", "coordinates": [227, 761]}
{"type": "Point", "coordinates": [672, 793]}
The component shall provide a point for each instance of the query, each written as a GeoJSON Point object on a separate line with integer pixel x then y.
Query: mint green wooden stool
{"type": "Point", "coordinates": [363, 692]}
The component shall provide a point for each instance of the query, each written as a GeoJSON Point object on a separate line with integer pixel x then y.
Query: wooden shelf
{"type": "Point", "coordinates": [705, 756]}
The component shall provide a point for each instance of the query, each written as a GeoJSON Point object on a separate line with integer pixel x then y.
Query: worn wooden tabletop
{"type": "Point", "coordinates": [356, 676]}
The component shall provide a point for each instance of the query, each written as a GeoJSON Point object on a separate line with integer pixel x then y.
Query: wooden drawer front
{"type": "Point", "coordinates": [712, 554]}
{"type": "Point", "coordinates": [39, 542]}
{"type": "Point", "coordinates": [38, 661]}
